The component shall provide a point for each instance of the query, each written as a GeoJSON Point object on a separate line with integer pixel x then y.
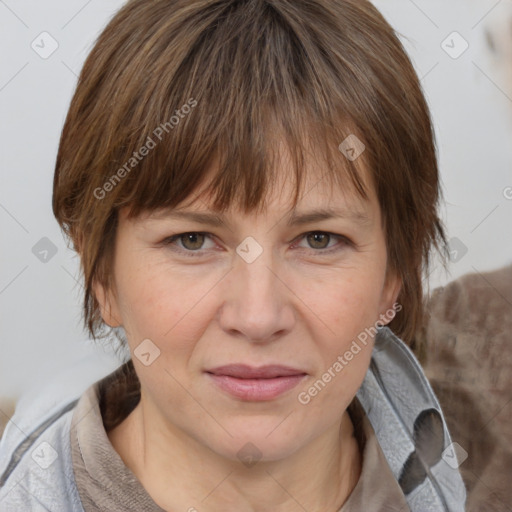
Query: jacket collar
{"type": "Point", "coordinates": [411, 428]}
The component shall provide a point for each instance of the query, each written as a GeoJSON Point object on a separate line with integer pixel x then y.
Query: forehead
{"type": "Point", "coordinates": [319, 199]}
{"type": "Point", "coordinates": [281, 176]}
{"type": "Point", "coordinates": [318, 186]}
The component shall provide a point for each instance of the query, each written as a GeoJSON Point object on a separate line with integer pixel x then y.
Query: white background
{"type": "Point", "coordinates": [40, 303]}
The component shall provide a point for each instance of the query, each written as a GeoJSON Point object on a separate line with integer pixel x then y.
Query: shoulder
{"type": "Point", "coordinates": [36, 471]}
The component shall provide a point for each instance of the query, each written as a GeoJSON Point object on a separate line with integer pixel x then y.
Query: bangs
{"type": "Point", "coordinates": [228, 102]}
{"type": "Point", "coordinates": [247, 164]}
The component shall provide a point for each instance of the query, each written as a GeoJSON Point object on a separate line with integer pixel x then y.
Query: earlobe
{"type": "Point", "coordinates": [396, 288]}
{"type": "Point", "coordinates": [108, 305]}
{"type": "Point", "coordinates": [390, 294]}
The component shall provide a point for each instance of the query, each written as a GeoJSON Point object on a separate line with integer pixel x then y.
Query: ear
{"type": "Point", "coordinates": [390, 292]}
{"type": "Point", "coordinates": [109, 307]}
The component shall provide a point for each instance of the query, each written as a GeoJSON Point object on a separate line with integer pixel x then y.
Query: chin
{"type": "Point", "coordinates": [251, 444]}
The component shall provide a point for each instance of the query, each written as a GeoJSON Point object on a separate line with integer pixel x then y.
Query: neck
{"type": "Point", "coordinates": [180, 473]}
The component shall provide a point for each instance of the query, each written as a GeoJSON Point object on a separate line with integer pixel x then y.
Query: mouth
{"type": "Point", "coordinates": [255, 384]}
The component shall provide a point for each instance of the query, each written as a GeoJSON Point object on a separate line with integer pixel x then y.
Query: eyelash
{"type": "Point", "coordinates": [189, 253]}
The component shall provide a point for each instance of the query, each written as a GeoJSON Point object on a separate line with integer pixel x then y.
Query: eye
{"type": "Point", "coordinates": [319, 241]}
{"type": "Point", "coordinates": [189, 243]}
{"type": "Point", "coordinates": [192, 243]}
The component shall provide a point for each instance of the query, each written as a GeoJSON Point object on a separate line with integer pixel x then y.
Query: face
{"type": "Point", "coordinates": [273, 288]}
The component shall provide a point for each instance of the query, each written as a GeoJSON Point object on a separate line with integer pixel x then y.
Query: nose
{"type": "Point", "coordinates": [258, 303]}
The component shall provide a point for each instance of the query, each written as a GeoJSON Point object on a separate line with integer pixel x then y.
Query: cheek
{"type": "Point", "coordinates": [348, 305]}
{"type": "Point", "coordinates": [350, 310]}
{"type": "Point", "coordinates": [350, 301]}
{"type": "Point", "coordinates": [161, 304]}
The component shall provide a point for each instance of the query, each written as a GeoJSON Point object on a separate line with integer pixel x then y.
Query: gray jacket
{"type": "Point", "coordinates": [36, 472]}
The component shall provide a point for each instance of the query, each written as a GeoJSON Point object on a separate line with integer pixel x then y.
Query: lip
{"type": "Point", "coordinates": [244, 371]}
{"type": "Point", "coordinates": [256, 384]}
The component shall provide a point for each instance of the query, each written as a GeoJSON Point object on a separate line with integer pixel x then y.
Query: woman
{"type": "Point", "coordinates": [252, 189]}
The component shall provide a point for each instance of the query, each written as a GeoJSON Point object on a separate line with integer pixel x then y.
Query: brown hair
{"type": "Point", "coordinates": [171, 85]}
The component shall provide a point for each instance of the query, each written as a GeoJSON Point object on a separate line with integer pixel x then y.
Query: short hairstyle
{"type": "Point", "coordinates": [172, 85]}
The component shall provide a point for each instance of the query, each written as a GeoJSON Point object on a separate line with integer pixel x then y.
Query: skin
{"type": "Point", "coordinates": [294, 305]}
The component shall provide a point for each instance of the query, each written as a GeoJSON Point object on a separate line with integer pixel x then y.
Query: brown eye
{"type": "Point", "coordinates": [318, 240]}
{"type": "Point", "coordinates": [192, 241]}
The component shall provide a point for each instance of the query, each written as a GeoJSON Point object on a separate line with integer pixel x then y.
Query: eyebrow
{"type": "Point", "coordinates": [357, 216]}
{"type": "Point", "coordinates": [294, 219]}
